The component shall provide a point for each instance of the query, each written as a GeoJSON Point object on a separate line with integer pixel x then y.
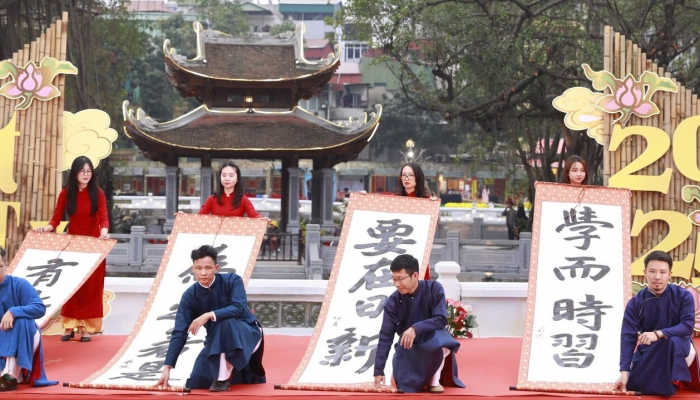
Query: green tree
{"type": "Point", "coordinates": [500, 64]}
{"type": "Point", "coordinates": [224, 16]}
{"type": "Point", "coordinates": [285, 26]}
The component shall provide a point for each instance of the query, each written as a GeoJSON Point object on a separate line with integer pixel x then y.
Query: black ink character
{"type": "Point", "coordinates": [387, 232]}
{"type": "Point", "coordinates": [564, 309]}
{"type": "Point", "coordinates": [580, 263]}
{"type": "Point", "coordinates": [371, 280]}
{"type": "Point", "coordinates": [52, 270]}
{"type": "Point", "coordinates": [585, 226]}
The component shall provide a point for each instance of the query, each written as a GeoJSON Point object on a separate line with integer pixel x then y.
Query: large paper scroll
{"type": "Point", "coordinates": [377, 228]}
{"type": "Point", "coordinates": [580, 282]}
{"type": "Point", "coordinates": [139, 363]}
{"type": "Point", "coordinates": [57, 265]}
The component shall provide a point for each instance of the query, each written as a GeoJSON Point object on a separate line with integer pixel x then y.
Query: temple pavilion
{"type": "Point", "coordinates": [249, 88]}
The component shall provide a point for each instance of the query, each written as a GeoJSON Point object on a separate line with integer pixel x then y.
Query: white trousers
{"type": "Point", "coordinates": [225, 368]}
{"type": "Point", "coordinates": [691, 356]}
{"type": "Point", "coordinates": [435, 380]}
{"type": "Point", "coordinates": [11, 367]}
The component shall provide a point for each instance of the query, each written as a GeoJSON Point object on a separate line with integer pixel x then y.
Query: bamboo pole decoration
{"type": "Point", "coordinates": [607, 65]}
{"type": "Point", "coordinates": [37, 155]}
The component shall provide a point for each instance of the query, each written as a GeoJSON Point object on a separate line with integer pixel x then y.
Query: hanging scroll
{"type": "Point", "coordinates": [139, 363]}
{"type": "Point", "coordinates": [377, 228]}
{"type": "Point", "coordinates": [57, 265]}
{"type": "Point", "coordinates": [579, 284]}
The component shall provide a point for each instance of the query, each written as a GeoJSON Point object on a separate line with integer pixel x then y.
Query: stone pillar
{"type": "Point", "coordinates": [447, 271]}
{"type": "Point", "coordinates": [326, 201]}
{"type": "Point", "coordinates": [314, 262]}
{"type": "Point", "coordinates": [293, 204]}
{"type": "Point", "coordinates": [525, 243]}
{"type": "Point", "coordinates": [172, 191]}
{"type": "Point", "coordinates": [136, 243]}
{"type": "Point", "coordinates": [477, 226]}
{"type": "Point", "coordinates": [206, 177]}
{"type": "Point", "coordinates": [453, 246]}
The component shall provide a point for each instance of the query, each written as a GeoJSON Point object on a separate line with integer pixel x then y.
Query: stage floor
{"type": "Point", "coordinates": [487, 366]}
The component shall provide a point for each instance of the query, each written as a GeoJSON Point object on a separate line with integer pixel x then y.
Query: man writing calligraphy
{"type": "Point", "coordinates": [417, 312]}
{"type": "Point", "coordinates": [659, 322]}
{"type": "Point", "coordinates": [233, 348]}
{"type": "Point", "coordinates": [21, 353]}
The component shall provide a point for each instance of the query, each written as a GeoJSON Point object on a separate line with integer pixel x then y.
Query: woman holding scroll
{"type": "Point", "coordinates": [229, 200]}
{"type": "Point", "coordinates": [86, 206]}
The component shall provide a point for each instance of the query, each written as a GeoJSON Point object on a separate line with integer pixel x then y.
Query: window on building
{"type": "Point", "coordinates": [354, 51]}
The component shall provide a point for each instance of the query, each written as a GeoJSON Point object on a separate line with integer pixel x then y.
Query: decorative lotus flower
{"type": "Point", "coordinates": [628, 95]}
{"type": "Point", "coordinates": [689, 193]}
{"type": "Point", "coordinates": [31, 81]}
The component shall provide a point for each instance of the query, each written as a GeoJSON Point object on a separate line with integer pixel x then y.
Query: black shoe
{"type": "Point", "coordinates": [220, 386]}
{"type": "Point", "coordinates": [7, 383]}
{"type": "Point", "coordinates": [66, 338]}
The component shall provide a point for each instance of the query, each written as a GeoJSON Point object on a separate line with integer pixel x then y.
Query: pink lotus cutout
{"type": "Point", "coordinates": [31, 81]}
{"type": "Point", "coordinates": [629, 95]}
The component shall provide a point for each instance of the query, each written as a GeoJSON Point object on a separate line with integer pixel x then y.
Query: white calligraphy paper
{"type": "Point", "coordinates": [377, 228]}
{"type": "Point", "coordinates": [57, 265]}
{"type": "Point", "coordinates": [579, 286]}
{"type": "Point", "coordinates": [140, 361]}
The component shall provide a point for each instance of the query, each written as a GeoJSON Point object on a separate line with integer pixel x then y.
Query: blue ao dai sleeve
{"type": "Point", "coordinates": [31, 305]}
{"type": "Point", "coordinates": [628, 337]}
{"type": "Point", "coordinates": [687, 317]}
{"type": "Point", "coordinates": [239, 304]}
{"type": "Point", "coordinates": [439, 311]}
{"type": "Point", "coordinates": [178, 338]}
{"type": "Point", "coordinates": [390, 321]}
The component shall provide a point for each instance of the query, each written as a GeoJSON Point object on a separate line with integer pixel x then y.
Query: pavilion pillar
{"type": "Point", "coordinates": [293, 195]}
{"type": "Point", "coordinates": [322, 198]}
{"type": "Point", "coordinates": [172, 191]}
{"type": "Point", "coordinates": [205, 181]}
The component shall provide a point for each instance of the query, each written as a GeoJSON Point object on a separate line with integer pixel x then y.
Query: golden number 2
{"type": "Point", "coordinates": [658, 144]}
{"type": "Point", "coordinates": [679, 229]}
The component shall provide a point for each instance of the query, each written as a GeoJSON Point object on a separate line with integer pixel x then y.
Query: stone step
{"type": "Point", "coordinates": [278, 275]}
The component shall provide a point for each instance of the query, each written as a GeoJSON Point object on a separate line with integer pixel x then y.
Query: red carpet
{"type": "Point", "coordinates": [487, 366]}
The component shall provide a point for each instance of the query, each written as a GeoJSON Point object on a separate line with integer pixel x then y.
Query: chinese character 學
{"type": "Point", "coordinates": [340, 349]}
{"type": "Point", "coordinates": [580, 263]}
{"type": "Point", "coordinates": [391, 234]}
{"type": "Point", "coordinates": [585, 226]}
{"type": "Point", "coordinates": [564, 309]}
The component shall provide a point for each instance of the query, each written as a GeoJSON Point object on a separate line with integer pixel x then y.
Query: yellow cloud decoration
{"type": "Point", "coordinates": [579, 105]}
{"type": "Point", "coordinates": [87, 133]}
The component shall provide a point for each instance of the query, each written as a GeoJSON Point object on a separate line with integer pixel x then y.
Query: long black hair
{"type": "Point", "coordinates": [72, 194]}
{"type": "Point", "coordinates": [421, 190]}
{"type": "Point", "coordinates": [237, 188]}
